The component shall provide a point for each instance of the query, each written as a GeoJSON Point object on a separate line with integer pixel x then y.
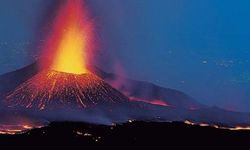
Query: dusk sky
{"type": "Point", "coordinates": [199, 47]}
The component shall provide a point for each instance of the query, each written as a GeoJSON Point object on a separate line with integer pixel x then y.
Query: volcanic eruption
{"type": "Point", "coordinates": [64, 80]}
{"type": "Point", "coordinates": [69, 43]}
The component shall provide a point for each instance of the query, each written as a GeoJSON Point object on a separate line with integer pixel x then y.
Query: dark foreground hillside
{"type": "Point", "coordinates": [136, 134]}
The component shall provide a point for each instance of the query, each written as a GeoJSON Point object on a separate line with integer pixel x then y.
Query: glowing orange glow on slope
{"type": "Point", "coordinates": [70, 40]}
{"type": "Point", "coordinates": [52, 89]}
{"type": "Point", "coordinates": [153, 102]}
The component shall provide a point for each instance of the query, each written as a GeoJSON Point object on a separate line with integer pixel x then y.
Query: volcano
{"type": "Point", "coordinates": [65, 80]}
{"type": "Point", "coordinates": [52, 89]}
{"type": "Point", "coordinates": [89, 97]}
{"type": "Point", "coordinates": [63, 85]}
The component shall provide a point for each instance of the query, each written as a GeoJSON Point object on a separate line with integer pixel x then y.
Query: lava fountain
{"type": "Point", "coordinates": [69, 42]}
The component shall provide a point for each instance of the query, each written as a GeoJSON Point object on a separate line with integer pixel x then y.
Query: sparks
{"type": "Point", "coordinates": [56, 89]}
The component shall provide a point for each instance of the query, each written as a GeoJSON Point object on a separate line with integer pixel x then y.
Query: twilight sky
{"type": "Point", "coordinates": [199, 47]}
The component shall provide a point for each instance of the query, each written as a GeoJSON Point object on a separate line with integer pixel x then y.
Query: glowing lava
{"type": "Point", "coordinates": [16, 129]}
{"type": "Point", "coordinates": [52, 89]}
{"type": "Point", "coordinates": [234, 128]}
{"type": "Point", "coordinates": [70, 58]}
{"type": "Point", "coordinates": [15, 124]}
{"type": "Point", "coordinates": [153, 102]}
{"type": "Point", "coordinates": [70, 40]}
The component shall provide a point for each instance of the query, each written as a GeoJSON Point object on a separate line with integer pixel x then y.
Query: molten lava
{"type": "Point", "coordinates": [52, 89]}
{"type": "Point", "coordinates": [70, 40]}
{"type": "Point", "coordinates": [16, 129]}
{"type": "Point", "coordinates": [15, 124]}
{"type": "Point", "coordinates": [69, 57]}
{"type": "Point", "coordinates": [233, 128]}
{"type": "Point", "coordinates": [153, 102]}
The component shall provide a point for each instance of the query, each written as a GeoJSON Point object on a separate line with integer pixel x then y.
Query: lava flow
{"type": "Point", "coordinates": [233, 128]}
{"type": "Point", "coordinates": [50, 89]}
{"type": "Point", "coordinates": [17, 124]}
{"type": "Point", "coordinates": [153, 102]}
{"type": "Point", "coordinates": [15, 129]}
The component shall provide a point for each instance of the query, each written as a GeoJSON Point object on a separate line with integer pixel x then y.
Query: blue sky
{"type": "Point", "coordinates": [199, 47]}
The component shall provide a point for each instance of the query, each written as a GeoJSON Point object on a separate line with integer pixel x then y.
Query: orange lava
{"type": "Point", "coordinates": [217, 126]}
{"type": "Point", "coordinates": [52, 89]}
{"type": "Point", "coordinates": [19, 125]}
{"type": "Point", "coordinates": [16, 129]}
{"type": "Point", "coordinates": [153, 102]}
{"type": "Point", "coordinates": [69, 42]}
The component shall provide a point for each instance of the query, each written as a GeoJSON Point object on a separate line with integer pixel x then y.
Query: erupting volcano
{"type": "Point", "coordinates": [62, 86]}
{"type": "Point", "coordinates": [65, 80]}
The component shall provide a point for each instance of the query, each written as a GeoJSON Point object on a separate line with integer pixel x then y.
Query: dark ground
{"type": "Point", "coordinates": [137, 134]}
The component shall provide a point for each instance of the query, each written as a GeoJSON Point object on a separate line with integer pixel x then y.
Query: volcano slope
{"type": "Point", "coordinates": [49, 89]}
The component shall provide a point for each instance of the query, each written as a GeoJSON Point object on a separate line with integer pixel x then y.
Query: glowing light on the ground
{"type": "Point", "coordinates": [18, 128]}
{"type": "Point", "coordinates": [235, 128]}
